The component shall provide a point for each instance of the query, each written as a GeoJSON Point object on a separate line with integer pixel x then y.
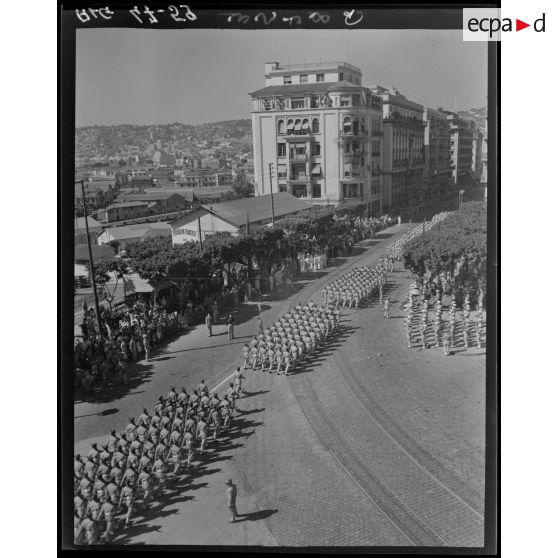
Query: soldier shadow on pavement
{"type": "Point", "coordinates": [325, 350]}
{"type": "Point", "coordinates": [104, 413]}
{"type": "Point", "coordinates": [126, 537]}
{"type": "Point", "coordinates": [253, 393]}
{"type": "Point", "coordinates": [252, 411]}
{"type": "Point", "coordinates": [255, 516]}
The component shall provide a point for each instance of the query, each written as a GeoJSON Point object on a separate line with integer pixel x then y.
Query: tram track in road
{"type": "Point", "coordinates": [451, 481]}
{"type": "Point", "coordinates": [413, 527]}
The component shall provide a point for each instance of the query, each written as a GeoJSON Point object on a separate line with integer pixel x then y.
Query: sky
{"type": "Point", "coordinates": [192, 76]}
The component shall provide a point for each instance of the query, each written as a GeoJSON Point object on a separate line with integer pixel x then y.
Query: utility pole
{"type": "Point", "coordinates": [271, 192]}
{"type": "Point", "coordinates": [93, 282]}
{"type": "Point", "coordinates": [200, 232]}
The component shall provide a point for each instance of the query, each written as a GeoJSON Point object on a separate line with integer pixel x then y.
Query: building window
{"type": "Point", "coordinates": [355, 126]}
{"type": "Point", "coordinates": [316, 190]}
{"type": "Point", "coordinates": [345, 102]}
{"type": "Point", "coordinates": [347, 125]}
{"type": "Point", "coordinates": [303, 78]}
{"type": "Point", "coordinates": [350, 78]}
{"type": "Point", "coordinates": [315, 126]}
{"type": "Point", "coordinates": [281, 127]}
{"type": "Point", "coordinates": [341, 76]}
{"type": "Point", "coordinates": [297, 103]}
{"type": "Point", "coordinates": [281, 171]}
{"type": "Point", "coordinates": [287, 80]}
{"type": "Point", "coordinates": [290, 126]}
{"type": "Point", "coordinates": [298, 151]}
{"type": "Point", "coordinates": [320, 77]}
{"type": "Point", "coordinates": [281, 149]}
{"type": "Point", "coordinates": [316, 149]}
{"type": "Point", "coordinates": [356, 100]}
{"type": "Point", "coordinates": [282, 187]}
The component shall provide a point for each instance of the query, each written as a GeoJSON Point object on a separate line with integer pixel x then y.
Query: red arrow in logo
{"type": "Point", "coordinates": [519, 25]}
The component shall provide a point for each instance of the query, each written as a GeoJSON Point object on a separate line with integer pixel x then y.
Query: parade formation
{"type": "Point", "coordinates": [140, 464]}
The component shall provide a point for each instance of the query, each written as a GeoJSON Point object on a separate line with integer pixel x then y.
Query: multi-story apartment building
{"type": "Point", "coordinates": [478, 145]}
{"type": "Point", "coordinates": [402, 151]}
{"type": "Point", "coordinates": [461, 149]}
{"type": "Point", "coordinates": [320, 130]}
{"type": "Point", "coordinates": [437, 171]}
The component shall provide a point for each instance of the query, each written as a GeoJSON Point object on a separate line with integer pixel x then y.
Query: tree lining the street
{"type": "Point", "coordinates": [456, 246]}
{"type": "Point", "coordinates": [157, 260]}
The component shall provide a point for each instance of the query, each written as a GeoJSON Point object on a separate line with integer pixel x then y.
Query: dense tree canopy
{"type": "Point", "coordinates": [456, 245]}
{"type": "Point", "coordinates": [156, 259]}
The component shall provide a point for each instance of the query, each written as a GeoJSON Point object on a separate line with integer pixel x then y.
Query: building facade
{"type": "Point", "coordinates": [461, 149]}
{"type": "Point", "coordinates": [402, 150]}
{"type": "Point", "coordinates": [321, 132]}
{"type": "Point", "coordinates": [437, 170]}
{"type": "Point", "coordinates": [477, 155]}
{"type": "Point", "coordinates": [126, 210]}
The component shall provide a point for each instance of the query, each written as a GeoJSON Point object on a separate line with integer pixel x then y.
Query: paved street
{"type": "Point", "coordinates": [371, 444]}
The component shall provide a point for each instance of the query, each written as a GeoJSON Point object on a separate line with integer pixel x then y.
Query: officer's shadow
{"type": "Point", "coordinates": [255, 516]}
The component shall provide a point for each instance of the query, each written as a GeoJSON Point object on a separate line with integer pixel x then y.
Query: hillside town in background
{"type": "Point", "coordinates": [403, 154]}
{"type": "Point", "coordinates": [317, 134]}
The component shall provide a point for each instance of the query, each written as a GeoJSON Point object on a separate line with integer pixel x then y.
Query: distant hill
{"type": "Point", "coordinates": [130, 138]}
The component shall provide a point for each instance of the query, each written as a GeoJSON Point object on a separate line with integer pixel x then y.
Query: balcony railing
{"type": "Point", "coordinates": [315, 66]}
{"type": "Point", "coordinates": [299, 178]}
{"type": "Point", "coordinates": [396, 117]}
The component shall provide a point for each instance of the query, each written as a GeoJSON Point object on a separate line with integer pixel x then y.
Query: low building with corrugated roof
{"type": "Point", "coordinates": [234, 217]}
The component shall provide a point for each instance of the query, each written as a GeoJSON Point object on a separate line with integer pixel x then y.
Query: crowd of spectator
{"type": "Point", "coordinates": [126, 335]}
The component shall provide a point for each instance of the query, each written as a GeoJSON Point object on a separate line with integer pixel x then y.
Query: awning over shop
{"type": "Point", "coordinates": [298, 126]}
{"type": "Point", "coordinates": [134, 284]}
{"type": "Point", "coordinates": [317, 169]}
{"type": "Point", "coordinates": [290, 126]}
{"type": "Point", "coordinates": [306, 125]}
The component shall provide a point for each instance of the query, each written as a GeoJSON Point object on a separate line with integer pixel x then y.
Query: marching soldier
{"type": "Point", "coordinates": [386, 307]}
{"type": "Point", "coordinates": [423, 327]}
{"type": "Point", "coordinates": [107, 514]}
{"type": "Point", "coordinates": [127, 498]}
{"type": "Point", "coordinates": [173, 458]}
{"type": "Point", "coordinates": [202, 432]}
{"type": "Point", "coordinates": [478, 332]}
{"type": "Point", "coordinates": [88, 530]}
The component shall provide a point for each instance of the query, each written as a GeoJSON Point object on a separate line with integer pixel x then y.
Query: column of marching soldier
{"type": "Point", "coordinates": [435, 331]}
{"type": "Point", "coordinates": [136, 466]}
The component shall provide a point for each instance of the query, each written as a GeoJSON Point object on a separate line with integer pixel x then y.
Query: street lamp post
{"type": "Point", "coordinates": [93, 282]}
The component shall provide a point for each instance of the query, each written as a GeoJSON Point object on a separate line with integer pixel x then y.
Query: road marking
{"type": "Point", "coordinates": [225, 380]}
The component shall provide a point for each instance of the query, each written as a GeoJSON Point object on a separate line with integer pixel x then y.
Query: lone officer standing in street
{"type": "Point", "coordinates": [209, 323]}
{"type": "Point", "coordinates": [230, 326]}
{"type": "Point", "coordinates": [386, 307]}
{"type": "Point", "coordinates": [231, 500]}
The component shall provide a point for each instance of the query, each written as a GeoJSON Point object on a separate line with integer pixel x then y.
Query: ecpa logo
{"type": "Point", "coordinates": [486, 24]}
